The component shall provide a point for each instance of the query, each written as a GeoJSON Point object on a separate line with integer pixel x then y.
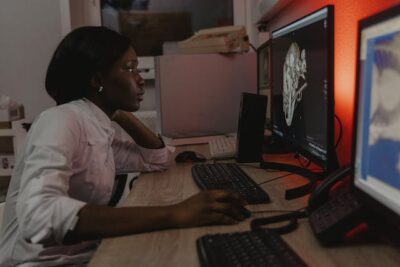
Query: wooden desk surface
{"type": "Point", "coordinates": [178, 247]}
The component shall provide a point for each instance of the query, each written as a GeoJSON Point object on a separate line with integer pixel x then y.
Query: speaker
{"type": "Point", "coordinates": [250, 134]}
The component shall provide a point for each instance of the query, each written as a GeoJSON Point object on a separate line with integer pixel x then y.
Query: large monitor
{"type": "Point", "coordinates": [302, 87]}
{"type": "Point", "coordinates": [376, 150]}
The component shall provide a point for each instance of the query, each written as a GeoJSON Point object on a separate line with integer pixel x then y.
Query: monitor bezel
{"type": "Point", "coordinates": [261, 89]}
{"type": "Point", "coordinates": [374, 205]}
{"type": "Point", "coordinates": [265, 45]}
{"type": "Point", "coordinates": [330, 164]}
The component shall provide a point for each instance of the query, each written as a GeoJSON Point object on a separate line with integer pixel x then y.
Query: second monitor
{"type": "Point", "coordinates": [302, 87]}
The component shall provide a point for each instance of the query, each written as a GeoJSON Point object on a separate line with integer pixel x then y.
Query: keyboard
{"type": "Point", "coordinates": [230, 177]}
{"type": "Point", "coordinates": [222, 147]}
{"type": "Point", "coordinates": [242, 249]}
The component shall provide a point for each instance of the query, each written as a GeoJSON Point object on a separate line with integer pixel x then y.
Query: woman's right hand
{"type": "Point", "coordinates": [209, 207]}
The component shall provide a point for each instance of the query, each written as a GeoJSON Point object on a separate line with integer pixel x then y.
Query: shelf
{"type": "Point", "coordinates": [7, 132]}
{"type": "Point", "coordinates": [148, 74]}
{"type": "Point", "coordinates": [5, 172]}
{"type": "Point", "coordinates": [146, 66]}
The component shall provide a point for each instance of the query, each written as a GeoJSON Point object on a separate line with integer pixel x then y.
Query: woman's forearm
{"type": "Point", "coordinates": [209, 207]}
{"type": "Point", "coordinates": [142, 135]}
{"type": "Point", "coordinates": [97, 222]}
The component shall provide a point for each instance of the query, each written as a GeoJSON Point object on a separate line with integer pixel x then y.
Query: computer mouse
{"type": "Point", "coordinates": [245, 212]}
{"type": "Point", "coordinates": [189, 156]}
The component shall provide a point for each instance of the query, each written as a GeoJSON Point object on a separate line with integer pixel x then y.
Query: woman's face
{"type": "Point", "coordinates": [123, 86]}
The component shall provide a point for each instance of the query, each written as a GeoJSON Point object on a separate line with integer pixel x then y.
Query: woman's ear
{"type": "Point", "coordinates": [95, 81]}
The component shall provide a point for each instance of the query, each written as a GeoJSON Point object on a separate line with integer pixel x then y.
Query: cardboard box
{"type": "Point", "coordinates": [149, 30]}
{"type": "Point", "coordinates": [8, 115]}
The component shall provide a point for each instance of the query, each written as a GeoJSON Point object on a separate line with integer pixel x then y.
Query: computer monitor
{"type": "Point", "coordinates": [376, 150]}
{"type": "Point", "coordinates": [302, 87]}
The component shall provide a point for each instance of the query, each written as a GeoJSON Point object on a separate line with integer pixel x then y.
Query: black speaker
{"type": "Point", "coordinates": [250, 134]}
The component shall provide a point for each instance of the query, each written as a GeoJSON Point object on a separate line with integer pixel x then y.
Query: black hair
{"type": "Point", "coordinates": [80, 55]}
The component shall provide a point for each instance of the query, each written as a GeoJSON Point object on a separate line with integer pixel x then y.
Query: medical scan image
{"type": "Point", "coordinates": [294, 80]}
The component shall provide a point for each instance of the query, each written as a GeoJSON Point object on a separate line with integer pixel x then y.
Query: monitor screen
{"type": "Point", "coordinates": [377, 134]}
{"type": "Point", "coordinates": [302, 86]}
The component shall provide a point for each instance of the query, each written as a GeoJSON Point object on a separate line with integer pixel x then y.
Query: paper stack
{"type": "Point", "coordinates": [216, 40]}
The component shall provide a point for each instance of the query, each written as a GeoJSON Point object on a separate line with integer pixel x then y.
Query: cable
{"type": "Point", "coordinates": [306, 165]}
{"type": "Point", "coordinates": [269, 211]}
{"type": "Point", "coordinates": [276, 178]}
{"type": "Point", "coordinates": [290, 217]}
{"type": "Point", "coordinates": [247, 165]}
{"type": "Point", "coordinates": [340, 130]}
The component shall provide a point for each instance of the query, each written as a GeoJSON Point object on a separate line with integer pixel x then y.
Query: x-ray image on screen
{"type": "Point", "coordinates": [302, 81]}
{"type": "Point", "coordinates": [294, 80]}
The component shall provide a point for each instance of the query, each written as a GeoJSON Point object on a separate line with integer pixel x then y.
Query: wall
{"type": "Point", "coordinates": [84, 13]}
{"type": "Point", "coordinates": [29, 33]}
{"type": "Point", "coordinates": [347, 14]}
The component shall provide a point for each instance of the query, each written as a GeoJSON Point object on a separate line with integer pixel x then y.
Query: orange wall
{"type": "Point", "coordinates": [347, 13]}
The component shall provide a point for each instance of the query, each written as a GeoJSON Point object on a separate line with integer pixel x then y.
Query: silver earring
{"type": "Point", "coordinates": [100, 89]}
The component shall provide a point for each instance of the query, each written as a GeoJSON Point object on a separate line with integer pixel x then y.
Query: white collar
{"type": "Point", "coordinates": [101, 117]}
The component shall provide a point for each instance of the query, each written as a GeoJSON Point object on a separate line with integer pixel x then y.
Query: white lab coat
{"type": "Point", "coordinates": [69, 159]}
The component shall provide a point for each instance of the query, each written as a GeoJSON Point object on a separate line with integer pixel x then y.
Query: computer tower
{"type": "Point", "coordinates": [250, 134]}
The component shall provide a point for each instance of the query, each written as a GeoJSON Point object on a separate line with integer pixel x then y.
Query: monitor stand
{"type": "Point", "coordinates": [298, 191]}
{"type": "Point", "coordinates": [272, 145]}
{"type": "Point", "coordinates": [311, 176]}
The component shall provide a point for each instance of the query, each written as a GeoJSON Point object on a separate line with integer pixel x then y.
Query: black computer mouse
{"type": "Point", "coordinates": [189, 156]}
{"type": "Point", "coordinates": [245, 212]}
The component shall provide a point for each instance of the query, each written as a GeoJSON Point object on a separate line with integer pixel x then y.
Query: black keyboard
{"type": "Point", "coordinates": [242, 249]}
{"type": "Point", "coordinates": [230, 177]}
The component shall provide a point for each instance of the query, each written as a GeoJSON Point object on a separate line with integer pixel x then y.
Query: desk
{"type": "Point", "coordinates": [178, 248]}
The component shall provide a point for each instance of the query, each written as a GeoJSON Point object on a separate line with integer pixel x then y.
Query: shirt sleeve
{"type": "Point", "coordinates": [45, 212]}
{"type": "Point", "coordinates": [131, 157]}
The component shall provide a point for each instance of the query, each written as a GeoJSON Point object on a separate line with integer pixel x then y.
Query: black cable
{"type": "Point", "coordinates": [270, 211]}
{"type": "Point", "coordinates": [275, 178]}
{"type": "Point", "coordinates": [291, 217]}
{"type": "Point", "coordinates": [247, 165]}
{"type": "Point", "coordinates": [306, 165]}
{"type": "Point", "coordinates": [340, 130]}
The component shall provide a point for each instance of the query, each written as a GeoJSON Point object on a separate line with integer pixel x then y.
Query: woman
{"type": "Point", "coordinates": [56, 206]}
